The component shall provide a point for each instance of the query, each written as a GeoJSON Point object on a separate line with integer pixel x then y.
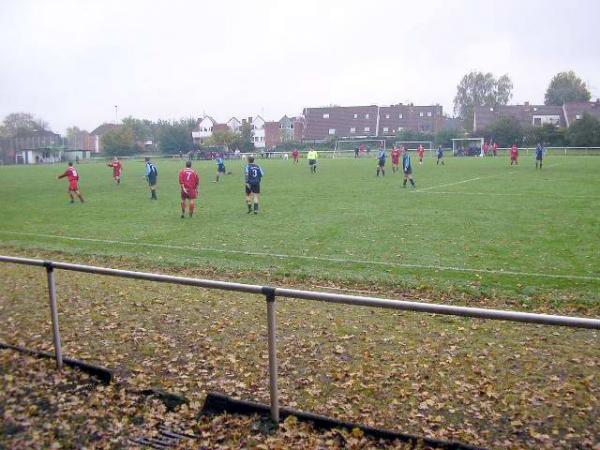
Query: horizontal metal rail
{"type": "Point", "coordinates": [355, 300]}
{"type": "Point", "coordinates": [271, 293]}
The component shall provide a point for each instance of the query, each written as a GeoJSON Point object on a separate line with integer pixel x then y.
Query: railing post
{"type": "Point", "coordinates": [272, 338]}
{"type": "Point", "coordinates": [54, 314]}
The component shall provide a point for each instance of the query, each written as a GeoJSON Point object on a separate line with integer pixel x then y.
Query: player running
{"type": "Point", "coordinates": [381, 162]}
{"type": "Point", "coordinates": [117, 169]}
{"type": "Point", "coordinates": [539, 155]}
{"type": "Point", "coordinates": [421, 152]}
{"type": "Point", "coordinates": [295, 155]}
{"type": "Point", "coordinates": [312, 160]}
{"type": "Point", "coordinates": [395, 159]}
{"type": "Point", "coordinates": [440, 156]}
{"type": "Point", "coordinates": [254, 174]}
{"type": "Point", "coordinates": [220, 168]}
{"type": "Point", "coordinates": [152, 177]}
{"type": "Point", "coordinates": [407, 169]}
{"type": "Point", "coordinates": [73, 177]}
{"type": "Point", "coordinates": [189, 182]}
{"type": "Point", "coordinates": [514, 155]}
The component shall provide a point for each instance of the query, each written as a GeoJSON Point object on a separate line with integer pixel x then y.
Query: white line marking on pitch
{"type": "Point", "coordinates": [313, 258]}
{"type": "Point", "coordinates": [506, 194]}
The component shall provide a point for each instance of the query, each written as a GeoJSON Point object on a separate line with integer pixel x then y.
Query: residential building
{"type": "Point", "coordinates": [203, 130]}
{"type": "Point", "coordinates": [573, 111]}
{"type": "Point", "coordinates": [258, 131]}
{"type": "Point", "coordinates": [32, 147]}
{"type": "Point", "coordinates": [286, 125]}
{"type": "Point", "coordinates": [234, 125]}
{"type": "Point", "coordinates": [321, 124]}
{"type": "Point", "coordinates": [273, 134]}
{"type": "Point", "coordinates": [95, 144]}
{"type": "Point", "coordinates": [527, 115]}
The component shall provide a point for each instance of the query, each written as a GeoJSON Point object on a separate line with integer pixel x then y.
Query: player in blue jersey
{"type": "Point", "coordinates": [407, 169]}
{"type": "Point", "coordinates": [254, 174]}
{"type": "Point", "coordinates": [440, 155]}
{"type": "Point", "coordinates": [220, 168]}
{"type": "Point", "coordinates": [381, 162]}
{"type": "Point", "coordinates": [152, 177]}
{"type": "Point", "coordinates": [539, 155]}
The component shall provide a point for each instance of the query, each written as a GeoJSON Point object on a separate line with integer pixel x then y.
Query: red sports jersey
{"type": "Point", "coordinates": [71, 174]}
{"type": "Point", "coordinates": [395, 156]}
{"type": "Point", "coordinates": [295, 153]}
{"type": "Point", "coordinates": [421, 151]}
{"type": "Point", "coordinates": [514, 151]}
{"type": "Point", "coordinates": [189, 179]}
{"type": "Point", "coordinates": [117, 167]}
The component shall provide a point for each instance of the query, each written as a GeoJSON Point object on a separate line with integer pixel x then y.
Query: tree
{"type": "Point", "coordinates": [175, 137]}
{"type": "Point", "coordinates": [566, 87]}
{"type": "Point", "coordinates": [16, 123]}
{"type": "Point", "coordinates": [547, 134]}
{"type": "Point", "coordinates": [120, 141]}
{"type": "Point", "coordinates": [444, 137]}
{"type": "Point", "coordinates": [480, 89]}
{"type": "Point", "coordinates": [584, 132]}
{"type": "Point", "coordinates": [505, 131]}
{"type": "Point", "coordinates": [222, 137]}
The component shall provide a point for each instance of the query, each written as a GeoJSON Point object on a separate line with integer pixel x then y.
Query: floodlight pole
{"type": "Point", "coordinates": [54, 314]}
{"type": "Point", "coordinates": [272, 338]}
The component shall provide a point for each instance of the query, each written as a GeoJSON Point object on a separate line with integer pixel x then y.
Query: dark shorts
{"type": "Point", "coordinates": [221, 169]}
{"type": "Point", "coordinates": [152, 179]}
{"type": "Point", "coordinates": [312, 162]}
{"type": "Point", "coordinates": [253, 188]}
{"type": "Point", "coordinates": [190, 195]}
{"type": "Point", "coordinates": [381, 163]}
{"type": "Point", "coordinates": [538, 157]}
{"type": "Point", "coordinates": [408, 172]}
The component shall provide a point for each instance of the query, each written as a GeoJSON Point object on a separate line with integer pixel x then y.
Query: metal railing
{"type": "Point", "coordinates": [271, 293]}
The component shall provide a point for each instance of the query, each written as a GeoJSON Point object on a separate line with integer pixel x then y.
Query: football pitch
{"type": "Point", "coordinates": [475, 225]}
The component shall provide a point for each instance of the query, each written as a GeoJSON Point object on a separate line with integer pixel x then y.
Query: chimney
{"type": "Point", "coordinates": [249, 119]}
{"type": "Point", "coordinates": [526, 103]}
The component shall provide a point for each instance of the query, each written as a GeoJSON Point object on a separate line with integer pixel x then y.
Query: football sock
{"type": "Point", "coordinates": [412, 182]}
{"type": "Point", "coordinates": [249, 207]}
{"type": "Point", "coordinates": [378, 171]}
{"type": "Point", "coordinates": [255, 208]}
{"type": "Point", "coordinates": [404, 183]}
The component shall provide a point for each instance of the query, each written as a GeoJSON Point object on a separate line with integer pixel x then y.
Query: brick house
{"type": "Point", "coordinates": [273, 134]}
{"type": "Point", "coordinates": [574, 110]}
{"type": "Point", "coordinates": [32, 147]}
{"type": "Point", "coordinates": [95, 144]}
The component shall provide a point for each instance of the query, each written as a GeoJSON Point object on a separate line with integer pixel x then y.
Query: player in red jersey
{"type": "Point", "coordinates": [295, 155]}
{"type": "Point", "coordinates": [117, 169]}
{"type": "Point", "coordinates": [395, 159]}
{"type": "Point", "coordinates": [421, 152]}
{"type": "Point", "coordinates": [189, 181]}
{"type": "Point", "coordinates": [495, 149]}
{"type": "Point", "coordinates": [73, 177]}
{"type": "Point", "coordinates": [514, 155]}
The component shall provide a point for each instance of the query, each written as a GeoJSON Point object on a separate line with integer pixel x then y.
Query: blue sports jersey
{"type": "Point", "coordinates": [220, 162]}
{"type": "Point", "coordinates": [539, 152]}
{"type": "Point", "coordinates": [406, 162]}
{"type": "Point", "coordinates": [440, 152]}
{"type": "Point", "coordinates": [253, 173]}
{"type": "Point", "coordinates": [382, 156]}
{"type": "Point", "coordinates": [151, 169]}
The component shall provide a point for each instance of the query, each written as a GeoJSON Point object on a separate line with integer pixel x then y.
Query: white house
{"type": "Point", "coordinates": [234, 125]}
{"type": "Point", "coordinates": [203, 130]}
{"type": "Point", "coordinates": [258, 132]}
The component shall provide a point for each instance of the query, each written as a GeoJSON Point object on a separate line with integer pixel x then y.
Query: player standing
{"type": "Point", "coordinates": [495, 149]}
{"type": "Point", "coordinates": [189, 182]}
{"type": "Point", "coordinates": [117, 169]}
{"type": "Point", "coordinates": [395, 159]}
{"type": "Point", "coordinates": [381, 162]}
{"type": "Point", "coordinates": [152, 177]}
{"type": "Point", "coordinates": [539, 155]}
{"type": "Point", "coordinates": [407, 169]}
{"type": "Point", "coordinates": [295, 155]}
{"type": "Point", "coordinates": [254, 174]}
{"type": "Point", "coordinates": [514, 155]}
{"type": "Point", "coordinates": [421, 152]}
{"type": "Point", "coordinates": [220, 168]}
{"type": "Point", "coordinates": [312, 160]}
{"type": "Point", "coordinates": [440, 156]}
{"type": "Point", "coordinates": [73, 177]}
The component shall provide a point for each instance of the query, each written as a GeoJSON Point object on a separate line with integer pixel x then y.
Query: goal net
{"type": "Point", "coordinates": [467, 147]}
{"type": "Point", "coordinates": [358, 147]}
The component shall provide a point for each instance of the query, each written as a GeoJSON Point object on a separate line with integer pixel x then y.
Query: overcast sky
{"type": "Point", "coordinates": [70, 62]}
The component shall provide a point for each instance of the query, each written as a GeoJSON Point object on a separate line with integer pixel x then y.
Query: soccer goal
{"type": "Point", "coordinates": [467, 147]}
{"type": "Point", "coordinates": [413, 146]}
{"type": "Point", "coordinates": [358, 147]}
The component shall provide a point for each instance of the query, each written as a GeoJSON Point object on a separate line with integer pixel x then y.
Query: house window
{"type": "Point", "coordinates": [428, 113]}
{"type": "Point", "coordinates": [356, 116]}
{"type": "Point", "coordinates": [353, 130]}
{"type": "Point", "coordinates": [399, 116]}
{"type": "Point", "coordinates": [366, 116]}
{"type": "Point", "coordinates": [385, 129]}
{"type": "Point", "coordinates": [578, 116]}
{"type": "Point", "coordinates": [387, 116]}
{"type": "Point", "coordinates": [326, 116]}
{"type": "Point", "coordinates": [537, 121]}
{"type": "Point", "coordinates": [421, 114]}
{"type": "Point", "coordinates": [332, 131]}
{"type": "Point", "coordinates": [367, 128]}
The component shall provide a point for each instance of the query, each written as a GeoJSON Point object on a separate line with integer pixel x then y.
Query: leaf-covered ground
{"type": "Point", "coordinates": [495, 384]}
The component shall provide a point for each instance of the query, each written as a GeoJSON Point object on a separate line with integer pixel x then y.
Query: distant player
{"type": "Point", "coordinates": [381, 162]}
{"type": "Point", "coordinates": [514, 155]}
{"type": "Point", "coordinates": [407, 169]}
{"type": "Point", "coordinates": [220, 168]}
{"type": "Point", "coordinates": [296, 156]}
{"type": "Point", "coordinates": [117, 169]}
{"type": "Point", "coordinates": [539, 155]}
{"type": "Point", "coordinates": [189, 182]}
{"type": "Point", "coordinates": [395, 159]}
{"type": "Point", "coordinates": [495, 149]}
{"type": "Point", "coordinates": [73, 177]}
{"type": "Point", "coordinates": [440, 156]}
{"type": "Point", "coordinates": [486, 148]}
{"type": "Point", "coordinates": [152, 177]}
{"type": "Point", "coordinates": [356, 150]}
{"type": "Point", "coordinates": [312, 157]}
{"type": "Point", "coordinates": [421, 152]}
{"type": "Point", "coordinates": [254, 175]}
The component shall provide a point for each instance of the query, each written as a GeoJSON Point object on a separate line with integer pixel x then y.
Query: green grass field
{"type": "Point", "coordinates": [465, 224]}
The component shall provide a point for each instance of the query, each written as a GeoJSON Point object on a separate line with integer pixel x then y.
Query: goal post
{"type": "Point", "coordinates": [467, 147]}
{"type": "Point", "coordinates": [364, 146]}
